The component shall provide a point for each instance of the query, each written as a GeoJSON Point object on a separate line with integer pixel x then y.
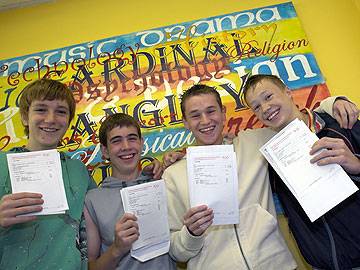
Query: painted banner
{"type": "Point", "coordinates": [144, 74]}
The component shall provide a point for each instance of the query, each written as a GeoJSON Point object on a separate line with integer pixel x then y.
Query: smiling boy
{"type": "Point", "coordinates": [332, 241]}
{"type": "Point", "coordinates": [110, 231]}
{"type": "Point", "coordinates": [43, 242]}
{"type": "Point", "coordinates": [254, 243]}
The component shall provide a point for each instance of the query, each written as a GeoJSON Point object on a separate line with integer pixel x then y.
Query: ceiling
{"type": "Point", "coordinates": [11, 4]}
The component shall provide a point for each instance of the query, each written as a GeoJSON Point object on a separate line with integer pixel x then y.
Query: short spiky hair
{"type": "Point", "coordinates": [199, 89]}
{"type": "Point", "coordinates": [253, 80]}
{"type": "Point", "coordinates": [116, 120]}
{"type": "Point", "coordinates": [45, 89]}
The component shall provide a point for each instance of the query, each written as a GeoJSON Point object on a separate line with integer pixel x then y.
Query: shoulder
{"type": "Point", "coordinates": [253, 137]}
{"type": "Point", "coordinates": [176, 168]}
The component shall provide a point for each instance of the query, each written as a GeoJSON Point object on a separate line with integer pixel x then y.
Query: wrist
{"type": "Point", "coordinates": [117, 252]}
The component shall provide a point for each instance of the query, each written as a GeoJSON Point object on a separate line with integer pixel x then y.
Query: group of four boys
{"type": "Point", "coordinates": [53, 242]}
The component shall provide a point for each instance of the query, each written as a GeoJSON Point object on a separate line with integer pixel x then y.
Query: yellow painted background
{"type": "Point", "coordinates": [332, 27]}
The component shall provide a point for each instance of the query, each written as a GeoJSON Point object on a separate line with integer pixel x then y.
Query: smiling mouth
{"type": "Point", "coordinates": [207, 130]}
{"type": "Point", "coordinates": [126, 157]}
{"type": "Point", "coordinates": [46, 129]}
{"type": "Point", "coordinates": [272, 115]}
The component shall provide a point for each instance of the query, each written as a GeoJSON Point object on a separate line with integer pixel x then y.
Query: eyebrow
{"type": "Point", "coordinates": [120, 137]}
{"type": "Point", "coordinates": [195, 111]}
{"type": "Point", "coordinates": [45, 105]}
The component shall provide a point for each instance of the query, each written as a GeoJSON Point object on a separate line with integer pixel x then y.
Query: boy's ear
{"type": "Point", "coordinates": [186, 125]}
{"type": "Point", "coordinates": [24, 120]}
{"type": "Point", "coordinates": [104, 151]}
{"type": "Point", "coordinates": [288, 92]}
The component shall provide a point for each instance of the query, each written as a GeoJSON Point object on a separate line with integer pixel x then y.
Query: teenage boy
{"type": "Point", "coordinates": [254, 243]}
{"type": "Point", "coordinates": [43, 242]}
{"type": "Point", "coordinates": [110, 231]}
{"type": "Point", "coordinates": [333, 241]}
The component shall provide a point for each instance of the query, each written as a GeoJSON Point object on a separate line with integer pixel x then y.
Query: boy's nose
{"type": "Point", "coordinates": [125, 144]}
{"type": "Point", "coordinates": [204, 118]}
{"type": "Point", "coordinates": [50, 117]}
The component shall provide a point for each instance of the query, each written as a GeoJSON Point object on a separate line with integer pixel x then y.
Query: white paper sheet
{"type": "Point", "coordinates": [39, 172]}
{"type": "Point", "coordinates": [212, 177]}
{"type": "Point", "coordinates": [317, 188]}
{"type": "Point", "coordinates": [148, 203]}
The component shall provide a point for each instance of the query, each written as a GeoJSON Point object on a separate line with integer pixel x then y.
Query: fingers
{"type": "Point", "coordinates": [14, 205]}
{"type": "Point", "coordinates": [126, 231]}
{"type": "Point", "coordinates": [353, 114]}
{"type": "Point", "coordinates": [335, 151]}
{"type": "Point", "coordinates": [345, 113]}
{"type": "Point", "coordinates": [171, 157]}
{"type": "Point", "coordinates": [198, 219]}
{"type": "Point", "coordinates": [157, 169]}
{"type": "Point", "coordinates": [327, 157]}
{"type": "Point", "coordinates": [324, 143]}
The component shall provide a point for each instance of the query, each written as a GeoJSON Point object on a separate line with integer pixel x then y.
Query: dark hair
{"type": "Point", "coordinates": [253, 80]}
{"type": "Point", "coordinates": [45, 89]}
{"type": "Point", "coordinates": [116, 120]}
{"type": "Point", "coordinates": [199, 89]}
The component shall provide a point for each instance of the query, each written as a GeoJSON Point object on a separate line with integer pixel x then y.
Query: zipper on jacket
{"type": "Point", "coordinates": [241, 250]}
{"type": "Point", "coordinates": [332, 244]}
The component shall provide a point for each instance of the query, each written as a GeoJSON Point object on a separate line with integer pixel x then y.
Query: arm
{"type": "Point", "coordinates": [126, 233]}
{"type": "Point", "coordinates": [340, 108]}
{"type": "Point", "coordinates": [170, 158]}
{"type": "Point", "coordinates": [183, 244]}
{"type": "Point", "coordinates": [155, 169]}
{"type": "Point", "coordinates": [12, 206]}
{"type": "Point", "coordinates": [335, 151]}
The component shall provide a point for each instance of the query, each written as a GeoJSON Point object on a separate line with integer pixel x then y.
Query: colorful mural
{"type": "Point", "coordinates": [144, 74]}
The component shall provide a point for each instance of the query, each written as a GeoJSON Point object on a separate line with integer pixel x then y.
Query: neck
{"type": "Point", "coordinates": [128, 177]}
{"type": "Point", "coordinates": [33, 147]}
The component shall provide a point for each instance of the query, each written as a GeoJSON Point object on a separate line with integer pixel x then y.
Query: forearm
{"type": "Point", "coordinates": [185, 246]}
{"type": "Point", "coordinates": [108, 260]}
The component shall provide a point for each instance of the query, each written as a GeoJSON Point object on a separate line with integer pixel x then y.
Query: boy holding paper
{"type": "Point", "coordinates": [332, 241]}
{"type": "Point", "coordinates": [254, 243]}
{"type": "Point", "coordinates": [111, 232]}
{"type": "Point", "coordinates": [51, 241]}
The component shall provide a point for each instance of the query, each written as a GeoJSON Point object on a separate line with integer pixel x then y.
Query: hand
{"type": "Point", "coordinates": [198, 219]}
{"type": "Point", "coordinates": [170, 158]}
{"type": "Point", "coordinates": [336, 151]}
{"type": "Point", "coordinates": [13, 205]}
{"type": "Point", "coordinates": [345, 113]}
{"type": "Point", "coordinates": [126, 233]}
{"type": "Point", "coordinates": [155, 168]}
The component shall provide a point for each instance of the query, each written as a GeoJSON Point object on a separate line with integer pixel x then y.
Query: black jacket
{"type": "Point", "coordinates": [332, 241]}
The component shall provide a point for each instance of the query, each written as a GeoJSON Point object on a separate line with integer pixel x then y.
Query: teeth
{"type": "Point", "coordinates": [48, 129]}
{"type": "Point", "coordinates": [272, 115]}
{"type": "Point", "coordinates": [127, 156]}
{"type": "Point", "coordinates": [207, 129]}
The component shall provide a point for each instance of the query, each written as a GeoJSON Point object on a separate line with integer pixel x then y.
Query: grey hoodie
{"type": "Point", "coordinates": [105, 208]}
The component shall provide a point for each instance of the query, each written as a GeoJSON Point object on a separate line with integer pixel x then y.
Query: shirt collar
{"type": "Point", "coordinates": [315, 122]}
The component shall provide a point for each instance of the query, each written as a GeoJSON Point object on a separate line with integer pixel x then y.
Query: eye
{"type": "Point", "coordinates": [133, 138]}
{"type": "Point", "coordinates": [256, 108]}
{"type": "Point", "coordinates": [40, 110]}
{"type": "Point", "coordinates": [194, 116]}
{"type": "Point", "coordinates": [62, 112]}
{"type": "Point", "coordinates": [269, 96]}
{"type": "Point", "coordinates": [115, 140]}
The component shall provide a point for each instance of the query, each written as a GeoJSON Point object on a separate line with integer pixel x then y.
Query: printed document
{"type": "Point", "coordinates": [148, 203]}
{"type": "Point", "coordinates": [212, 177]}
{"type": "Point", "coordinates": [39, 172]}
{"type": "Point", "coordinates": [317, 188]}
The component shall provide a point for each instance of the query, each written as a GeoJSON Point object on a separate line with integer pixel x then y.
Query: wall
{"type": "Point", "coordinates": [332, 26]}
